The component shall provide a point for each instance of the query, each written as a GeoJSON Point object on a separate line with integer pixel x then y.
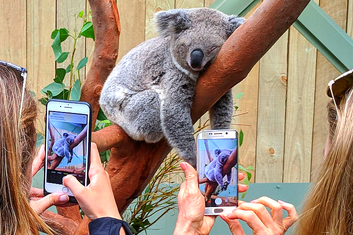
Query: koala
{"type": "Point", "coordinates": [62, 146]}
{"type": "Point", "coordinates": [150, 92]}
{"type": "Point", "coordinates": [213, 170]}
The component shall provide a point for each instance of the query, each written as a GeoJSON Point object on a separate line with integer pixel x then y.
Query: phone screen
{"type": "Point", "coordinates": [66, 146]}
{"type": "Point", "coordinates": [218, 170]}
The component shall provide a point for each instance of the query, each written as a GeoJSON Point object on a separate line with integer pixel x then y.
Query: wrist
{"type": "Point", "coordinates": [185, 227]}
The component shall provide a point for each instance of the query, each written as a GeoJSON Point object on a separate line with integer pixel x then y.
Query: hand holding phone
{"type": "Point", "coordinates": [217, 165]}
{"type": "Point", "coordinates": [67, 144]}
{"type": "Point", "coordinates": [97, 199]}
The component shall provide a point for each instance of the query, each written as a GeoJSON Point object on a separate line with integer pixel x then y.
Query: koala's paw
{"type": "Point", "coordinates": [69, 160]}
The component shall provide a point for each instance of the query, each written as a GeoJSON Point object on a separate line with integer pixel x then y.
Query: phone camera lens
{"type": "Point", "coordinates": [226, 133]}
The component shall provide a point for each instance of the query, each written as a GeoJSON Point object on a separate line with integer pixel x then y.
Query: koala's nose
{"type": "Point", "coordinates": [196, 58]}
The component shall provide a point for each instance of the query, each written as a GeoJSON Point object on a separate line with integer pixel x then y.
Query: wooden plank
{"type": "Point", "coordinates": [271, 113]}
{"type": "Point", "coordinates": [89, 45]}
{"type": "Point", "coordinates": [246, 116]}
{"type": "Point", "coordinates": [189, 3]}
{"type": "Point", "coordinates": [66, 13]}
{"type": "Point", "coordinates": [13, 31]}
{"type": "Point", "coordinates": [350, 19]}
{"type": "Point", "coordinates": [300, 109]}
{"type": "Point", "coordinates": [40, 56]}
{"type": "Point", "coordinates": [208, 3]}
{"type": "Point", "coordinates": [132, 19]}
{"type": "Point", "coordinates": [325, 72]}
{"type": "Point", "coordinates": [153, 6]}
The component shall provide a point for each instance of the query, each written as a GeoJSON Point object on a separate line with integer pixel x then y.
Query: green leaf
{"type": "Point", "coordinates": [56, 45]}
{"type": "Point", "coordinates": [241, 137]}
{"type": "Point", "coordinates": [60, 74]}
{"type": "Point", "coordinates": [54, 88]}
{"type": "Point", "coordinates": [81, 14]}
{"type": "Point", "coordinates": [68, 69]}
{"type": "Point", "coordinates": [101, 116]}
{"type": "Point", "coordinates": [76, 91]}
{"type": "Point", "coordinates": [250, 168]}
{"type": "Point", "coordinates": [60, 36]}
{"type": "Point", "coordinates": [148, 208]}
{"type": "Point", "coordinates": [63, 95]}
{"type": "Point", "coordinates": [239, 95]}
{"type": "Point", "coordinates": [133, 230]}
{"type": "Point", "coordinates": [50, 95]}
{"type": "Point", "coordinates": [82, 63]}
{"type": "Point", "coordinates": [63, 56]}
{"type": "Point", "coordinates": [64, 34]}
{"type": "Point", "coordinates": [236, 107]}
{"type": "Point", "coordinates": [43, 101]}
{"type": "Point", "coordinates": [54, 33]}
{"type": "Point", "coordinates": [33, 94]}
{"type": "Point", "coordinates": [87, 30]}
{"type": "Point", "coordinates": [40, 140]}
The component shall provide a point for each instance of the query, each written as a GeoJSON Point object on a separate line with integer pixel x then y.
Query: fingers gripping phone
{"type": "Point", "coordinates": [217, 166]}
{"type": "Point", "coordinates": [67, 144]}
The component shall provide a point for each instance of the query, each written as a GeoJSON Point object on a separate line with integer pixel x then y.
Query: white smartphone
{"type": "Point", "coordinates": [67, 144]}
{"type": "Point", "coordinates": [217, 166]}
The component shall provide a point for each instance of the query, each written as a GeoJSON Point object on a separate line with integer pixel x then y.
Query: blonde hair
{"type": "Point", "coordinates": [328, 208]}
{"type": "Point", "coordinates": [17, 140]}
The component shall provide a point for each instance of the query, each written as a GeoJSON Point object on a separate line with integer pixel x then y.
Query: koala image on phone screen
{"type": "Point", "coordinates": [62, 146]}
{"type": "Point", "coordinates": [213, 170]}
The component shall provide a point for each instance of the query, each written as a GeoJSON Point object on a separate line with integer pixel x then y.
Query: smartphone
{"type": "Point", "coordinates": [67, 144]}
{"type": "Point", "coordinates": [217, 166]}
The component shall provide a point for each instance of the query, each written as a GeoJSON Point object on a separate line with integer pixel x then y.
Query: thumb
{"type": "Point", "coordinates": [50, 200]}
{"type": "Point", "coordinates": [72, 183]}
{"type": "Point", "coordinates": [191, 178]}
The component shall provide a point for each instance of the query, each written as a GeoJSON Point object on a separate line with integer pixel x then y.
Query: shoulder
{"type": "Point", "coordinates": [108, 225]}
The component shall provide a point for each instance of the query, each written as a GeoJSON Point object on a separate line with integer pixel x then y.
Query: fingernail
{"type": "Point", "coordinates": [183, 165]}
{"type": "Point", "coordinates": [253, 201]}
{"type": "Point", "coordinates": [63, 198]}
{"type": "Point", "coordinates": [282, 202]}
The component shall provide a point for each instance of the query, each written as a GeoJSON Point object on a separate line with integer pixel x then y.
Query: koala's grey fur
{"type": "Point", "coordinates": [62, 146]}
{"type": "Point", "coordinates": [150, 91]}
{"type": "Point", "coordinates": [213, 170]}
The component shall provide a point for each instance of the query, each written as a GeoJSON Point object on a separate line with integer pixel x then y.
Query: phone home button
{"type": "Point", "coordinates": [65, 189]}
{"type": "Point", "coordinates": [218, 210]}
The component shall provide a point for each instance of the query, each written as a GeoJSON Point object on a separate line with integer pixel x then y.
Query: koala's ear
{"type": "Point", "coordinates": [217, 152]}
{"type": "Point", "coordinates": [172, 21]}
{"type": "Point", "coordinates": [234, 22]}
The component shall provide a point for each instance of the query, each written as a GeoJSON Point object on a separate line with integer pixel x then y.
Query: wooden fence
{"type": "Point", "coordinates": [283, 108]}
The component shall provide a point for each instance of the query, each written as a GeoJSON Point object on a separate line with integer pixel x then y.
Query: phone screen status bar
{"type": "Point", "coordinates": [68, 117]}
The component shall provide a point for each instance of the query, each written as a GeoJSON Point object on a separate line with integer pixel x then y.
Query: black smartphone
{"type": "Point", "coordinates": [67, 144]}
{"type": "Point", "coordinates": [217, 166]}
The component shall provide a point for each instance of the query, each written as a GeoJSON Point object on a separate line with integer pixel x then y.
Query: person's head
{"type": "Point", "coordinates": [328, 208]}
{"type": "Point", "coordinates": [17, 140]}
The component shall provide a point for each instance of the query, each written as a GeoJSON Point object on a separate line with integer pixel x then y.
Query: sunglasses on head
{"type": "Point", "coordinates": [338, 87]}
{"type": "Point", "coordinates": [23, 73]}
